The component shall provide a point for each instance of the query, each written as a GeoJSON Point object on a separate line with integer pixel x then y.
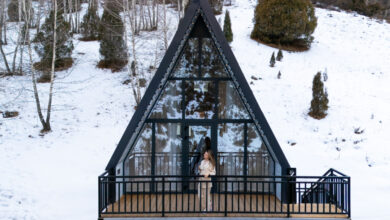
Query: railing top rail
{"type": "Point", "coordinates": [337, 172]}
{"type": "Point", "coordinates": [227, 176]}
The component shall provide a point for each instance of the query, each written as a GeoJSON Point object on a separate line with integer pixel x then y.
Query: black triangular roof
{"type": "Point", "coordinates": [197, 8]}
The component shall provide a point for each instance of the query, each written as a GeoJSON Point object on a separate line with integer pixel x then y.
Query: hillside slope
{"type": "Point", "coordinates": [55, 176]}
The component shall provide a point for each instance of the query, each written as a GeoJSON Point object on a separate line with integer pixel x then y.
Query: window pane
{"type": "Point", "coordinates": [200, 99]}
{"type": "Point", "coordinates": [259, 159]}
{"type": "Point", "coordinates": [169, 103]}
{"type": "Point", "coordinates": [212, 65]}
{"type": "Point", "coordinates": [168, 149]}
{"type": "Point", "coordinates": [231, 148]}
{"type": "Point", "coordinates": [188, 64]}
{"type": "Point", "coordinates": [138, 163]}
{"type": "Point", "coordinates": [260, 162]}
{"type": "Point", "coordinates": [168, 153]}
{"type": "Point", "coordinates": [140, 157]}
{"type": "Point", "coordinates": [230, 105]}
{"type": "Point", "coordinates": [231, 153]}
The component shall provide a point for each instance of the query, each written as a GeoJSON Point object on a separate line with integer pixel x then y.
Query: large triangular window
{"type": "Point", "coordinates": [200, 100]}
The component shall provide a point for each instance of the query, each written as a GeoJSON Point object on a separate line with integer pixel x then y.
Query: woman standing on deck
{"type": "Point", "coordinates": [206, 168]}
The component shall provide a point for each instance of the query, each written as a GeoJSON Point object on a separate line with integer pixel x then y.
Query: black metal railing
{"type": "Point", "coordinates": [283, 195]}
{"type": "Point", "coordinates": [332, 188]}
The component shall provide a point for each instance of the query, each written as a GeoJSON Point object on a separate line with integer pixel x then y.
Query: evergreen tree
{"type": "Point", "coordinates": [64, 44]}
{"type": "Point", "coordinates": [13, 10]}
{"type": "Point", "coordinates": [285, 22]}
{"type": "Point", "coordinates": [113, 48]}
{"type": "Point", "coordinates": [90, 24]}
{"type": "Point", "coordinates": [227, 27]}
{"type": "Point", "coordinates": [272, 60]}
{"type": "Point", "coordinates": [319, 103]}
{"type": "Point", "coordinates": [279, 57]}
{"type": "Point", "coordinates": [279, 75]}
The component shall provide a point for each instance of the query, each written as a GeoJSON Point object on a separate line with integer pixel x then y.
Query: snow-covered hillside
{"type": "Point", "coordinates": [55, 176]}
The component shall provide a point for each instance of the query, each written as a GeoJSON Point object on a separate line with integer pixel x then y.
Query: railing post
{"type": "Point", "coordinates": [163, 197]}
{"type": "Point", "coordinates": [99, 199]}
{"type": "Point", "coordinates": [349, 197]}
{"type": "Point", "coordinates": [288, 197]}
{"type": "Point", "coordinates": [225, 196]}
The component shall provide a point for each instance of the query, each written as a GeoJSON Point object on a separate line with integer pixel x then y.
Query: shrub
{"type": "Point", "coordinates": [90, 24]}
{"type": "Point", "coordinates": [319, 103]}
{"type": "Point", "coordinates": [279, 57]}
{"type": "Point", "coordinates": [64, 44]}
{"type": "Point", "coordinates": [227, 27]}
{"type": "Point", "coordinates": [272, 60]}
{"type": "Point", "coordinates": [13, 10]}
{"type": "Point", "coordinates": [285, 22]}
{"type": "Point", "coordinates": [113, 48]}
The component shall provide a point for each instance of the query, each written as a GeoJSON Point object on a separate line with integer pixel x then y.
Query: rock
{"type": "Point", "coordinates": [10, 114]}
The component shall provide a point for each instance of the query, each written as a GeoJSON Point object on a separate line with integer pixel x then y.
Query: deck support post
{"type": "Point", "coordinates": [111, 186]}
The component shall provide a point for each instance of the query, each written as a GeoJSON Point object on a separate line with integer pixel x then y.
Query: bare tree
{"type": "Point", "coordinates": [3, 27]}
{"type": "Point", "coordinates": [133, 65]}
{"type": "Point", "coordinates": [45, 122]}
{"type": "Point", "coordinates": [11, 69]}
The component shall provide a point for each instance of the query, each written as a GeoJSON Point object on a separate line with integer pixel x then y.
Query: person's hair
{"type": "Point", "coordinates": [211, 156]}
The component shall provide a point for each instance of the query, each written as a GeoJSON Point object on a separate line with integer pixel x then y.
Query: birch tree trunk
{"type": "Point", "coordinates": [34, 82]}
{"type": "Point", "coordinates": [5, 59]}
{"type": "Point", "coordinates": [71, 15]}
{"type": "Point", "coordinates": [77, 16]}
{"type": "Point", "coordinates": [2, 26]}
{"type": "Point", "coordinates": [132, 66]}
{"type": "Point", "coordinates": [48, 127]}
{"type": "Point", "coordinates": [165, 28]}
{"type": "Point", "coordinates": [21, 38]}
{"type": "Point", "coordinates": [2, 11]}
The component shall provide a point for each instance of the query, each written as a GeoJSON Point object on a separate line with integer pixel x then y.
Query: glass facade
{"type": "Point", "coordinates": [199, 108]}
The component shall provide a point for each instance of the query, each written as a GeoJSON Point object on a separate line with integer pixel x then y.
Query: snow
{"type": "Point", "coordinates": [55, 176]}
{"type": "Point", "coordinates": [354, 50]}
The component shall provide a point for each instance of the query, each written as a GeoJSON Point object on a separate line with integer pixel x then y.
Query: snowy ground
{"type": "Point", "coordinates": [55, 176]}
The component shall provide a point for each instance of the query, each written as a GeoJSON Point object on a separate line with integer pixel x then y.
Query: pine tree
{"type": "Point", "coordinates": [319, 103]}
{"type": "Point", "coordinates": [64, 44]}
{"type": "Point", "coordinates": [279, 75]}
{"type": "Point", "coordinates": [279, 57]}
{"type": "Point", "coordinates": [90, 24]}
{"type": "Point", "coordinates": [227, 27]}
{"type": "Point", "coordinates": [13, 10]}
{"type": "Point", "coordinates": [272, 61]}
{"type": "Point", "coordinates": [113, 48]}
{"type": "Point", "coordinates": [284, 22]}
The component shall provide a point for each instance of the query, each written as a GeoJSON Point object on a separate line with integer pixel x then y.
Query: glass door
{"type": "Point", "coordinates": [197, 141]}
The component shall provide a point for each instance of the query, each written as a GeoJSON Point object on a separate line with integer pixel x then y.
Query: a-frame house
{"type": "Point", "coordinates": [197, 100]}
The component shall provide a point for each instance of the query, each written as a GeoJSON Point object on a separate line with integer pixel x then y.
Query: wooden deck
{"type": "Point", "coordinates": [188, 205]}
